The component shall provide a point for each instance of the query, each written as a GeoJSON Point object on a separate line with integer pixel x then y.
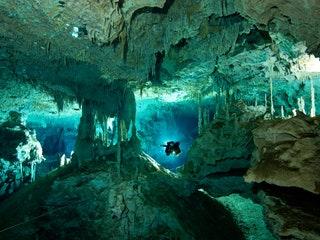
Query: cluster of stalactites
{"type": "Point", "coordinates": [222, 101]}
{"type": "Point", "coordinates": [104, 126]}
{"type": "Point", "coordinates": [203, 116]}
{"type": "Point", "coordinates": [106, 130]}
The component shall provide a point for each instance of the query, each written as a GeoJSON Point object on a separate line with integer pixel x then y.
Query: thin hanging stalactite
{"type": "Point", "coordinates": [271, 93]}
{"type": "Point", "coordinates": [313, 103]}
{"type": "Point", "coordinates": [118, 146]}
{"type": "Point", "coordinates": [123, 128]}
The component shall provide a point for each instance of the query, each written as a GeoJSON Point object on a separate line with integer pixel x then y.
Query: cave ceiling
{"type": "Point", "coordinates": [157, 47]}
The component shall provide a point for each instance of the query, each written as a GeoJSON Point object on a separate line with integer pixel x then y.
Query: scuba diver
{"type": "Point", "coordinates": [172, 147]}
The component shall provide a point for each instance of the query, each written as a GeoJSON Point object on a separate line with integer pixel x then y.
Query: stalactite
{"type": "Point", "coordinates": [123, 43]}
{"type": "Point", "coordinates": [129, 134]}
{"type": "Point", "coordinates": [118, 146]}
{"type": "Point", "coordinates": [282, 112]}
{"type": "Point", "coordinates": [205, 117]}
{"type": "Point", "coordinates": [123, 130]}
{"type": "Point", "coordinates": [112, 129]}
{"type": "Point", "coordinates": [313, 104]}
{"type": "Point", "coordinates": [103, 134]}
{"type": "Point", "coordinates": [106, 133]}
{"type": "Point", "coordinates": [271, 96]}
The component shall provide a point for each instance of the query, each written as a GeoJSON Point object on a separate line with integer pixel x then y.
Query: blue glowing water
{"type": "Point", "coordinates": [159, 122]}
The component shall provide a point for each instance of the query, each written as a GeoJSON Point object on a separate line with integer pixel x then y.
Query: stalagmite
{"type": "Point", "coordinates": [294, 112]}
{"type": "Point", "coordinates": [256, 102]}
{"type": "Point", "coordinates": [313, 104]}
{"type": "Point", "coordinates": [282, 112]}
{"type": "Point", "coordinates": [62, 160]}
{"type": "Point", "coordinates": [301, 105]}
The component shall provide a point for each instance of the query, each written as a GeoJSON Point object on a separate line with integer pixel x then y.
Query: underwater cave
{"type": "Point", "coordinates": [168, 119]}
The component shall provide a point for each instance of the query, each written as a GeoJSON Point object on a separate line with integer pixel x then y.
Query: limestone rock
{"type": "Point", "coordinates": [249, 215]}
{"type": "Point", "coordinates": [93, 203]}
{"type": "Point", "coordinates": [290, 17]}
{"type": "Point", "coordinates": [223, 146]}
{"type": "Point", "coordinates": [287, 153]}
{"type": "Point", "coordinates": [291, 213]}
{"type": "Point", "coordinates": [20, 151]}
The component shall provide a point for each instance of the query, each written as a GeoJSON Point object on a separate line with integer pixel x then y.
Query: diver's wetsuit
{"type": "Point", "coordinates": [172, 147]}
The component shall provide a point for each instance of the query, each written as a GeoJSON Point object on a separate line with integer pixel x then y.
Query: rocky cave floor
{"type": "Point", "coordinates": [93, 202]}
{"type": "Point", "coordinates": [217, 194]}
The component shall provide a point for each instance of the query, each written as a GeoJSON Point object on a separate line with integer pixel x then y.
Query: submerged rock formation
{"type": "Point", "coordinates": [292, 213]}
{"type": "Point", "coordinates": [225, 144]}
{"type": "Point", "coordinates": [249, 215]}
{"type": "Point", "coordinates": [287, 153]}
{"type": "Point", "coordinates": [19, 155]}
{"type": "Point", "coordinates": [94, 203]}
{"type": "Point", "coordinates": [286, 163]}
{"type": "Point", "coordinates": [284, 152]}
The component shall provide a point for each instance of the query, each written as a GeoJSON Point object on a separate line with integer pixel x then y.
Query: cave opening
{"type": "Point", "coordinates": [57, 136]}
{"type": "Point", "coordinates": [161, 122]}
